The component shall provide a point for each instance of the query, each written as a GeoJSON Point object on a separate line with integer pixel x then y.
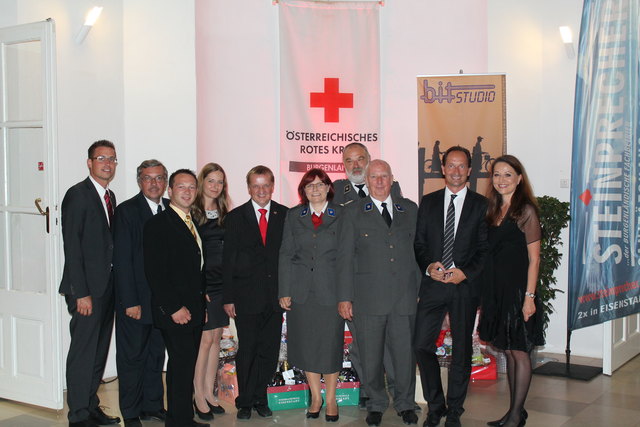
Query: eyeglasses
{"type": "Point", "coordinates": [105, 159]}
{"type": "Point", "coordinates": [316, 186]}
{"type": "Point", "coordinates": [158, 179]}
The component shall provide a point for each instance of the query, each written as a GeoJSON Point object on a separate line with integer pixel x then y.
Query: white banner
{"type": "Point", "coordinates": [329, 86]}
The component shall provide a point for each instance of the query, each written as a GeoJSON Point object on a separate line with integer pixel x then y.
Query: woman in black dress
{"type": "Point", "coordinates": [209, 209]}
{"type": "Point", "coordinates": [511, 313]}
{"type": "Point", "coordinates": [307, 280]}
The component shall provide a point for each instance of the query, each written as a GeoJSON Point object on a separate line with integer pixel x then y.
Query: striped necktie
{"type": "Point", "coordinates": [449, 234]}
{"type": "Point", "coordinates": [187, 220]}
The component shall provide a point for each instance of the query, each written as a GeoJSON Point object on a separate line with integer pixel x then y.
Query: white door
{"type": "Point", "coordinates": [621, 342]}
{"type": "Point", "coordinates": [30, 338]}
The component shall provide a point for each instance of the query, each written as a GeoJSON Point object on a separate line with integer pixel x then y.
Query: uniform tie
{"type": "Point", "coordinates": [361, 192]}
{"type": "Point", "coordinates": [263, 225]}
{"type": "Point", "coordinates": [449, 235]}
{"type": "Point", "coordinates": [107, 199]}
{"type": "Point", "coordinates": [316, 220]}
{"type": "Point", "coordinates": [385, 214]}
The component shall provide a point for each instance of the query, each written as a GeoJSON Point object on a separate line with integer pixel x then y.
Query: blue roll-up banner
{"type": "Point", "coordinates": [605, 246]}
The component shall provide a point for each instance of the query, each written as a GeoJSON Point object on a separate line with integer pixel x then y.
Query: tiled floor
{"type": "Point", "coordinates": [553, 401]}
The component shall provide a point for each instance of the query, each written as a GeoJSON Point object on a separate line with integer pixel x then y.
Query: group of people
{"type": "Point", "coordinates": [352, 251]}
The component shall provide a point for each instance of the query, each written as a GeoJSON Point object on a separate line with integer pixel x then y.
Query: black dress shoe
{"type": "Point", "coordinates": [216, 409]}
{"type": "Point", "coordinates": [362, 403]}
{"type": "Point", "coordinates": [85, 423]}
{"type": "Point", "coordinates": [409, 416]}
{"type": "Point", "coordinates": [132, 422]}
{"type": "Point", "coordinates": [453, 420]}
{"type": "Point", "coordinates": [374, 418]}
{"type": "Point", "coordinates": [243, 413]}
{"type": "Point", "coordinates": [100, 418]}
{"type": "Point", "coordinates": [207, 416]}
{"type": "Point", "coordinates": [263, 410]}
{"type": "Point", "coordinates": [197, 424]}
{"type": "Point", "coordinates": [159, 415]}
{"type": "Point", "coordinates": [434, 417]}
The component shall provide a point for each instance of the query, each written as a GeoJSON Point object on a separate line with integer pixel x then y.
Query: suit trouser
{"type": "Point", "coordinates": [372, 333]}
{"type": "Point", "coordinates": [354, 356]}
{"type": "Point", "coordinates": [439, 299]}
{"type": "Point", "coordinates": [257, 357]}
{"type": "Point", "coordinates": [87, 357]}
{"type": "Point", "coordinates": [182, 346]}
{"type": "Point", "coordinates": [140, 360]}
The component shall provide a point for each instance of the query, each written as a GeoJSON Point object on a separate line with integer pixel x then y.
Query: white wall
{"type": "Point", "coordinates": [524, 42]}
{"type": "Point", "coordinates": [159, 86]}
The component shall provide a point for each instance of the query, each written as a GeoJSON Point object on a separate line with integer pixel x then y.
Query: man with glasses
{"type": "Point", "coordinates": [140, 347]}
{"type": "Point", "coordinates": [87, 284]}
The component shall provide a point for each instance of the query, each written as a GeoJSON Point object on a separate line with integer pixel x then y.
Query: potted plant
{"type": "Point", "coordinates": [554, 216]}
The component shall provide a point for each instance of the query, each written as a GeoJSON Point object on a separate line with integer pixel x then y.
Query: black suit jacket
{"type": "Point", "coordinates": [250, 269]}
{"type": "Point", "coordinates": [128, 261]}
{"type": "Point", "coordinates": [88, 243]}
{"type": "Point", "coordinates": [172, 265]}
{"type": "Point", "coordinates": [470, 245]}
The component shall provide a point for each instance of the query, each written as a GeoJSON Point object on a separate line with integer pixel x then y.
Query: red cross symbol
{"type": "Point", "coordinates": [331, 100]}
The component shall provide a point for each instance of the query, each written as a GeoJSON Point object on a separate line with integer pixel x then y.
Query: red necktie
{"type": "Point", "coordinates": [107, 199]}
{"type": "Point", "coordinates": [263, 225]}
{"type": "Point", "coordinates": [316, 220]}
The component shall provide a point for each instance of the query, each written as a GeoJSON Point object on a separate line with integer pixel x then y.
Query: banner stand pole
{"type": "Point", "coordinates": [567, 370]}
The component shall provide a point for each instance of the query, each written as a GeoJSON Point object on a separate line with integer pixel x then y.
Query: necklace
{"type": "Point", "coordinates": [212, 214]}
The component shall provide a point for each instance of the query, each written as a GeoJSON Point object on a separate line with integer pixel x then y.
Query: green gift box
{"type": "Point", "coordinates": [347, 393]}
{"type": "Point", "coordinates": [288, 397]}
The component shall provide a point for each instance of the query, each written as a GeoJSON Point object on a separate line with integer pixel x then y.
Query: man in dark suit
{"type": "Point", "coordinates": [377, 288]}
{"type": "Point", "coordinates": [450, 245]}
{"type": "Point", "coordinates": [87, 283]}
{"type": "Point", "coordinates": [173, 263]}
{"type": "Point", "coordinates": [250, 288]}
{"type": "Point", "coordinates": [140, 347]}
{"type": "Point", "coordinates": [355, 158]}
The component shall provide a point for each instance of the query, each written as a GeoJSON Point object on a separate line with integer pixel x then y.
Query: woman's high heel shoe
{"type": "Point", "coordinates": [315, 414]}
{"type": "Point", "coordinates": [207, 416]}
{"type": "Point", "coordinates": [216, 409]}
{"type": "Point", "coordinates": [332, 418]}
{"type": "Point", "coordinates": [501, 422]}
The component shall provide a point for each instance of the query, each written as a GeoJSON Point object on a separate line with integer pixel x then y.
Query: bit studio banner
{"type": "Point", "coordinates": [467, 110]}
{"type": "Point", "coordinates": [604, 250]}
{"type": "Point", "coordinates": [329, 86]}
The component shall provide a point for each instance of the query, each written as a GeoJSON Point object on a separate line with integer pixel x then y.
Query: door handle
{"type": "Point", "coordinates": [42, 212]}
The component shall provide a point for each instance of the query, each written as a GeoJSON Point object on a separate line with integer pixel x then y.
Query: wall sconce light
{"type": "Point", "coordinates": [91, 19]}
{"type": "Point", "coordinates": [567, 39]}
